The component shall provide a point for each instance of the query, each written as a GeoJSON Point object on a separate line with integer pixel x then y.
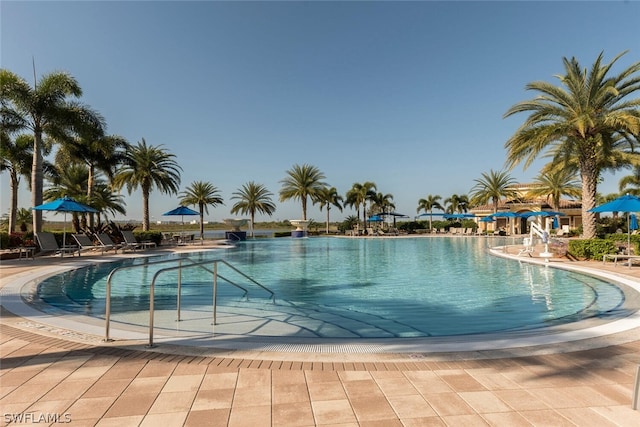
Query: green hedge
{"type": "Point", "coordinates": [596, 248]}
{"type": "Point", "coordinates": [591, 248]}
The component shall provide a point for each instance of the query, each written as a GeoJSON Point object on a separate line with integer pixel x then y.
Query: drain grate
{"type": "Point", "coordinates": [320, 348]}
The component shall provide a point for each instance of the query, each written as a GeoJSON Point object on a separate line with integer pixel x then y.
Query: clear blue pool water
{"type": "Point", "coordinates": [410, 287]}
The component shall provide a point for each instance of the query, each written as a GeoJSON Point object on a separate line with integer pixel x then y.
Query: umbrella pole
{"type": "Point", "coordinates": [64, 235]}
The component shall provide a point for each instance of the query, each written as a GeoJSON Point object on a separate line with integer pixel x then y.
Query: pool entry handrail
{"type": "Point", "coordinates": [179, 267]}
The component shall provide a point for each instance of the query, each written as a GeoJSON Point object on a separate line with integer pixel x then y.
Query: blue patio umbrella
{"type": "Point", "coordinates": [64, 204]}
{"type": "Point", "coordinates": [487, 220]}
{"type": "Point", "coordinates": [627, 204]}
{"type": "Point", "coordinates": [375, 218]}
{"type": "Point", "coordinates": [181, 211]}
{"type": "Point", "coordinates": [395, 215]}
{"type": "Point", "coordinates": [506, 214]}
{"type": "Point", "coordinates": [458, 216]}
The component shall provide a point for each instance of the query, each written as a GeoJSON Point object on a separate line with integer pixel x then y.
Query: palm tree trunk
{"type": "Point", "coordinates": [90, 180]}
{"type": "Point", "coordinates": [304, 208]}
{"type": "Point", "coordinates": [13, 211]}
{"type": "Point", "coordinates": [145, 209]}
{"type": "Point", "coordinates": [328, 208]}
{"type": "Point", "coordinates": [589, 180]}
{"type": "Point", "coordinates": [37, 179]}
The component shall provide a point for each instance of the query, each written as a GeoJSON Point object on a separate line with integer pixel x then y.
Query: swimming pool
{"type": "Point", "coordinates": [343, 287]}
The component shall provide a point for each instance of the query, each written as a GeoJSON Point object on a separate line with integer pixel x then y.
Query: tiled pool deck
{"type": "Point", "coordinates": [50, 371]}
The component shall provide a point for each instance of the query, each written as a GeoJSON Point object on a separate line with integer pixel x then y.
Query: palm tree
{"type": "Point", "coordinates": [328, 197]}
{"type": "Point", "coordinates": [15, 158]}
{"type": "Point", "coordinates": [303, 182]}
{"type": "Point", "coordinates": [98, 152]}
{"type": "Point", "coordinates": [492, 187]}
{"type": "Point", "coordinates": [70, 180]}
{"type": "Point", "coordinates": [358, 195]}
{"type": "Point", "coordinates": [202, 194]}
{"type": "Point", "coordinates": [44, 109]}
{"type": "Point", "coordinates": [630, 184]}
{"type": "Point", "coordinates": [253, 198]}
{"type": "Point", "coordinates": [428, 205]}
{"type": "Point", "coordinates": [583, 121]}
{"type": "Point", "coordinates": [553, 184]}
{"type": "Point", "coordinates": [382, 203]}
{"type": "Point", "coordinates": [105, 200]}
{"type": "Point", "coordinates": [457, 204]}
{"type": "Point", "coordinates": [146, 166]}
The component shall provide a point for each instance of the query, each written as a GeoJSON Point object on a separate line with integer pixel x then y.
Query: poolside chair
{"type": "Point", "coordinates": [106, 241]}
{"type": "Point", "coordinates": [47, 243]}
{"type": "Point", "coordinates": [86, 244]}
{"type": "Point", "coordinates": [131, 241]}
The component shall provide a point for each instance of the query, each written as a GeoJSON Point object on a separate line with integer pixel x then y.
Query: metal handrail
{"type": "Point", "coordinates": [179, 267]}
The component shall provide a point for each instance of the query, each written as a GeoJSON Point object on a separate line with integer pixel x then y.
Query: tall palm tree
{"type": "Point", "coordinates": [359, 194]}
{"type": "Point", "coordinates": [328, 197]}
{"type": "Point", "coordinates": [553, 184]}
{"type": "Point", "coordinates": [428, 205]}
{"type": "Point", "coordinates": [15, 156]}
{"type": "Point", "coordinates": [202, 194]}
{"type": "Point", "coordinates": [382, 203]}
{"type": "Point", "coordinates": [148, 166]}
{"type": "Point", "coordinates": [492, 187]}
{"type": "Point", "coordinates": [252, 198]}
{"type": "Point", "coordinates": [49, 107]}
{"type": "Point", "coordinates": [302, 182]}
{"type": "Point", "coordinates": [98, 152]}
{"type": "Point", "coordinates": [582, 120]}
{"type": "Point", "coordinates": [457, 204]}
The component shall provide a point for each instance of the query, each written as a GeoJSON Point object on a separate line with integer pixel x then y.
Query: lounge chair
{"type": "Point", "coordinates": [106, 241]}
{"type": "Point", "coordinates": [131, 241]}
{"type": "Point", "coordinates": [47, 243]}
{"type": "Point", "coordinates": [86, 244]}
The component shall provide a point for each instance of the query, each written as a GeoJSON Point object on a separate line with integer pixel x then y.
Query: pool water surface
{"type": "Point", "coordinates": [349, 287]}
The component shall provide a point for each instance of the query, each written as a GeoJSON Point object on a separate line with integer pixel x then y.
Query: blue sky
{"type": "Point", "coordinates": [409, 95]}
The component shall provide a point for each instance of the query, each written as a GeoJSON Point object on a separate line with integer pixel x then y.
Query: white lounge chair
{"type": "Point", "coordinates": [47, 243]}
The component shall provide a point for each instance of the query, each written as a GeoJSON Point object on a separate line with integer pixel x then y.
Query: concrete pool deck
{"type": "Point", "coordinates": [53, 371]}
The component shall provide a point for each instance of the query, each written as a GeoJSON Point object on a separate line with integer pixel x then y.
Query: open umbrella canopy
{"type": "Point", "coordinates": [375, 218]}
{"type": "Point", "coordinates": [541, 213]}
{"type": "Point", "coordinates": [458, 216]}
{"type": "Point", "coordinates": [506, 214]}
{"type": "Point", "coordinates": [626, 203]}
{"type": "Point", "coordinates": [181, 210]}
{"type": "Point", "coordinates": [487, 219]}
{"type": "Point", "coordinates": [64, 204]}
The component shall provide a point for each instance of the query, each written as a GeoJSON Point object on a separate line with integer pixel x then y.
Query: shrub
{"type": "Point", "coordinates": [4, 240]}
{"type": "Point", "coordinates": [591, 248]}
{"type": "Point", "coordinates": [148, 236]}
